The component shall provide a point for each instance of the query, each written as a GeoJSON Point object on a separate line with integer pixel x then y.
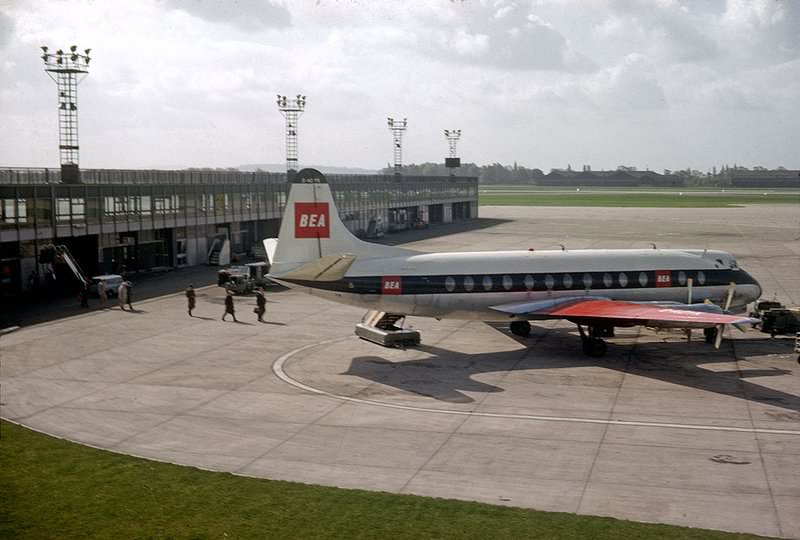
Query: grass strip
{"type": "Point", "coordinates": [51, 488]}
{"type": "Point", "coordinates": [636, 200]}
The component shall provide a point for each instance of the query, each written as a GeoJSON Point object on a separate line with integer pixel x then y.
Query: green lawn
{"type": "Point", "coordinates": [51, 488]}
{"type": "Point", "coordinates": [639, 199]}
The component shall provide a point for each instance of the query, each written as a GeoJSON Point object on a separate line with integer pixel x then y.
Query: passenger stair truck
{"type": "Point", "coordinates": [61, 253]}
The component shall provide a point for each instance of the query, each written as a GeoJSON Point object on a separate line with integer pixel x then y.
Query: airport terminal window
{"type": "Point", "coordinates": [15, 211]}
{"type": "Point", "coordinates": [450, 284]}
{"type": "Point", "coordinates": [487, 283]}
{"type": "Point", "coordinates": [549, 282]}
{"type": "Point", "coordinates": [469, 283]}
{"type": "Point", "coordinates": [587, 281]}
{"type": "Point", "coordinates": [567, 281]}
{"type": "Point", "coordinates": [144, 205]}
{"type": "Point", "coordinates": [682, 278]}
{"type": "Point", "coordinates": [642, 279]}
{"type": "Point", "coordinates": [507, 283]}
{"type": "Point", "coordinates": [623, 279]}
{"type": "Point", "coordinates": [701, 277]}
{"type": "Point", "coordinates": [529, 282]}
{"type": "Point", "coordinates": [62, 209]}
{"type": "Point", "coordinates": [608, 281]}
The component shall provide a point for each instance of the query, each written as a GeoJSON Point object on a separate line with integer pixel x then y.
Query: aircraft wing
{"type": "Point", "coordinates": [621, 313]}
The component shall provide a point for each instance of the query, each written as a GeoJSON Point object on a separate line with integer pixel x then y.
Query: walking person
{"type": "Point", "coordinates": [83, 295]}
{"type": "Point", "coordinates": [102, 293]}
{"type": "Point", "coordinates": [122, 295]}
{"type": "Point", "coordinates": [128, 294]}
{"type": "Point", "coordinates": [190, 299]}
{"type": "Point", "coordinates": [229, 306]}
{"type": "Point", "coordinates": [261, 302]}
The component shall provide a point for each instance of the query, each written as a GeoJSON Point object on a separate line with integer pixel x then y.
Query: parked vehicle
{"type": "Point", "coordinates": [258, 273]}
{"type": "Point", "coordinates": [111, 282]}
{"type": "Point", "coordinates": [777, 318]}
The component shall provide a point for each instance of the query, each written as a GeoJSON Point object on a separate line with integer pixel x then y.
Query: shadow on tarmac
{"type": "Point", "coordinates": [446, 375]}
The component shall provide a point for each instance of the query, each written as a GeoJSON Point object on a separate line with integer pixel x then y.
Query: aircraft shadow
{"type": "Point", "coordinates": [448, 376]}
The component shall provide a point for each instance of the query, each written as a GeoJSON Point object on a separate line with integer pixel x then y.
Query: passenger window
{"type": "Point", "coordinates": [682, 278]}
{"type": "Point", "coordinates": [623, 279]}
{"type": "Point", "coordinates": [608, 281]}
{"type": "Point", "coordinates": [450, 284]}
{"type": "Point", "coordinates": [507, 283]}
{"type": "Point", "coordinates": [701, 277]}
{"type": "Point", "coordinates": [529, 282]}
{"type": "Point", "coordinates": [549, 281]}
{"type": "Point", "coordinates": [487, 283]}
{"type": "Point", "coordinates": [567, 281]}
{"type": "Point", "coordinates": [469, 283]}
{"type": "Point", "coordinates": [587, 281]}
{"type": "Point", "coordinates": [642, 279]}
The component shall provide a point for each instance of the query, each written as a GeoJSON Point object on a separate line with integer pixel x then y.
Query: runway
{"type": "Point", "coordinates": [660, 430]}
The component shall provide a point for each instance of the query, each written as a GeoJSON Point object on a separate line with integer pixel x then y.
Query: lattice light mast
{"type": "Point", "coordinates": [397, 127]}
{"type": "Point", "coordinates": [67, 69]}
{"type": "Point", "coordinates": [452, 162]}
{"type": "Point", "coordinates": [291, 109]}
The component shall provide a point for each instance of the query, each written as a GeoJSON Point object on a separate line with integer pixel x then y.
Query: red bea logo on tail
{"type": "Point", "coordinates": [311, 220]}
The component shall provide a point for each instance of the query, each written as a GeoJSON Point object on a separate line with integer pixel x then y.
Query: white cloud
{"type": "Point", "coordinates": [544, 83]}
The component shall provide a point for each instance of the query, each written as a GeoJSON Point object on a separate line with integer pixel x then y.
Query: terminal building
{"type": "Point", "coordinates": [115, 221]}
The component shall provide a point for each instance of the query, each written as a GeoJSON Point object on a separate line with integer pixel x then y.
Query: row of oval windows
{"type": "Point", "coordinates": [566, 280]}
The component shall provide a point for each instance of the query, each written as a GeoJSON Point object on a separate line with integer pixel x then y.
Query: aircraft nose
{"type": "Point", "coordinates": [752, 289]}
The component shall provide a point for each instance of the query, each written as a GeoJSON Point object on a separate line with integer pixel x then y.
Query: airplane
{"type": "Point", "coordinates": [598, 289]}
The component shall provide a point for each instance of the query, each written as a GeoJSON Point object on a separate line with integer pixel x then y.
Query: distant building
{"type": "Point", "coordinates": [118, 221]}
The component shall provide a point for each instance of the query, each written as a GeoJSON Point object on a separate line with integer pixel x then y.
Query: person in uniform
{"type": "Point", "coordinates": [229, 306]}
{"type": "Point", "coordinates": [190, 299]}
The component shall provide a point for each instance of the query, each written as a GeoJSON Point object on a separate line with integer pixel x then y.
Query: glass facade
{"type": "Point", "coordinates": [151, 199]}
{"type": "Point", "coordinates": [139, 219]}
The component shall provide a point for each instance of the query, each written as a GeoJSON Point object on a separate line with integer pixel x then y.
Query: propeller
{"type": "Point", "coordinates": [721, 327]}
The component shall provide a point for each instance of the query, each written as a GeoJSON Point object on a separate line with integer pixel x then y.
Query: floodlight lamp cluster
{"type": "Point", "coordinates": [289, 104]}
{"type": "Point", "coordinates": [69, 61]}
{"type": "Point", "coordinates": [397, 124]}
{"type": "Point", "coordinates": [452, 133]}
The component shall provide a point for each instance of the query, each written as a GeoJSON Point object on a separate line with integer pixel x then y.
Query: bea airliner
{"type": "Point", "coordinates": [596, 289]}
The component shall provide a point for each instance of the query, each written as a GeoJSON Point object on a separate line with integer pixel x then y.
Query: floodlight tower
{"type": "Point", "coordinates": [67, 69]}
{"type": "Point", "coordinates": [291, 109]}
{"type": "Point", "coordinates": [397, 127]}
{"type": "Point", "coordinates": [452, 162]}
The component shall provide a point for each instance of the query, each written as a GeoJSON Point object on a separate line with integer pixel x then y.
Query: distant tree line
{"type": "Point", "coordinates": [725, 176]}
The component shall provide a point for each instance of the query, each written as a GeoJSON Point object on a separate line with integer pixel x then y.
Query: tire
{"type": "Point", "coordinates": [710, 334]}
{"type": "Point", "coordinates": [520, 328]}
{"type": "Point", "coordinates": [594, 347]}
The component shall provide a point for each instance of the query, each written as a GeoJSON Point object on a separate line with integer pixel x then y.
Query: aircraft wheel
{"type": "Point", "coordinates": [710, 334]}
{"type": "Point", "coordinates": [520, 328]}
{"type": "Point", "coordinates": [594, 347]}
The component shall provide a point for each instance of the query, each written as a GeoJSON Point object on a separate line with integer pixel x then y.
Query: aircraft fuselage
{"type": "Point", "coordinates": [465, 285]}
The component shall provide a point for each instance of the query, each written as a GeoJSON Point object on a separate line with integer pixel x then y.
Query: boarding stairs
{"type": "Point", "coordinates": [62, 254]}
{"type": "Point", "coordinates": [381, 328]}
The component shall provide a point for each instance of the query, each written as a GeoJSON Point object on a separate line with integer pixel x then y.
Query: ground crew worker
{"type": "Point", "coordinates": [229, 306]}
{"type": "Point", "coordinates": [261, 301]}
{"type": "Point", "coordinates": [190, 299]}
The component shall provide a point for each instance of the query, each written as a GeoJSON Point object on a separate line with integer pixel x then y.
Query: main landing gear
{"type": "Point", "coordinates": [520, 328]}
{"type": "Point", "coordinates": [593, 345]}
{"type": "Point", "coordinates": [710, 334]}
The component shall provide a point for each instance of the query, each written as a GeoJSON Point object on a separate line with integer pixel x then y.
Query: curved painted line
{"type": "Point", "coordinates": [277, 368]}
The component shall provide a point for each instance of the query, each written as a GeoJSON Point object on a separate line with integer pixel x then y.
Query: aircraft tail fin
{"type": "Point", "coordinates": [311, 229]}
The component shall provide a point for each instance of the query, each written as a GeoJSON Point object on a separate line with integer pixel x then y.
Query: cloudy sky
{"type": "Point", "coordinates": [189, 83]}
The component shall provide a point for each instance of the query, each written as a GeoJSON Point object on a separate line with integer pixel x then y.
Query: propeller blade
{"type": "Point", "coordinates": [689, 283]}
{"type": "Point", "coordinates": [731, 290]}
{"type": "Point", "coordinates": [718, 340]}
